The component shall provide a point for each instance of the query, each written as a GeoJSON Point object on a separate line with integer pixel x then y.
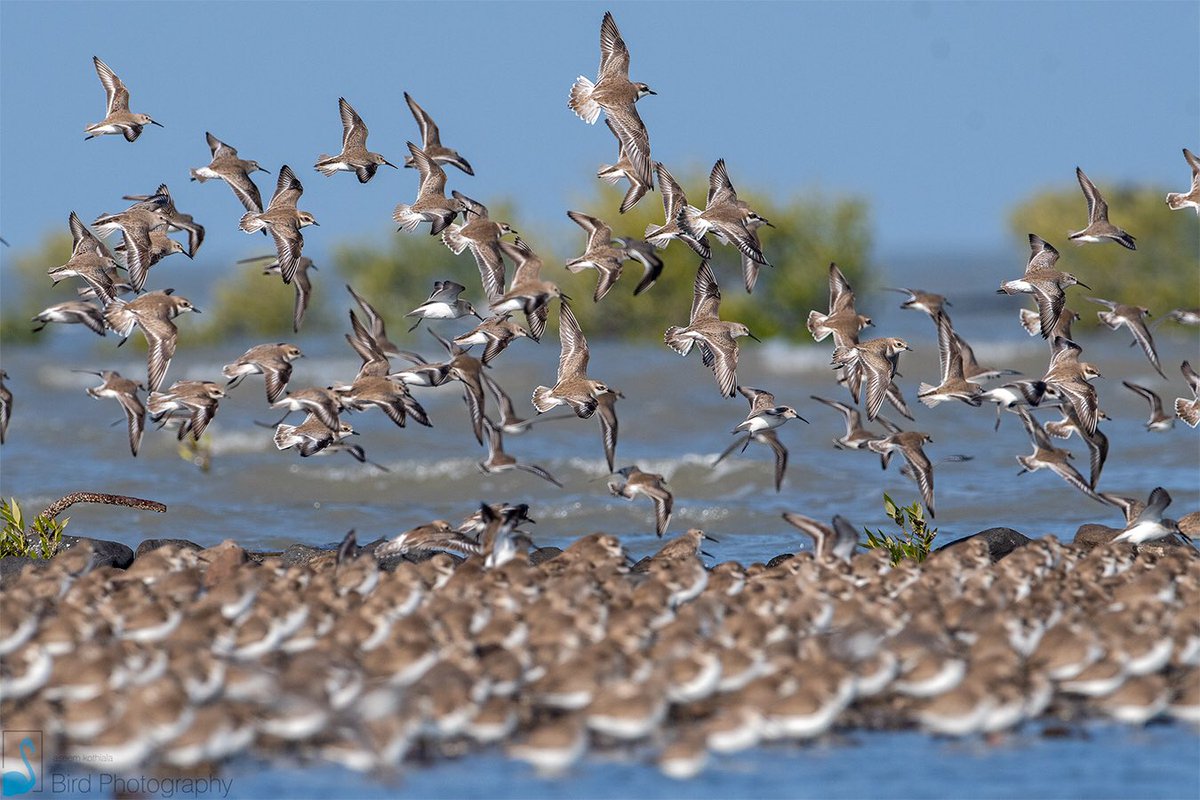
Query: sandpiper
{"type": "Point", "coordinates": [300, 280]}
{"type": "Point", "coordinates": [909, 443]}
{"type": "Point", "coordinates": [527, 292]}
{"type": "Point", "coordinates": [1189, 410]}
{"type": "Point", "coordinates": [1098, 228]}
{"type": "Point", "coordinates": [176, 220]}
{"type": "Point", "coordinates": [1191, 199]}
{"type": "Point", "coordinates": [766, 437]}
{"type": "Point", "coordinates": [272, 361]}
{"type": "Point", "coordinates": [284, 221]}
{"type": "Point", "coordinates": [717, 339]}
{"type": "Point", "coordinates": [1046, 284]}
{"type": "Point", "coordinates": [643, 252]}
{"type": "Point", "coordinates": [606, 412]}
{"type": "Point", "coordinates": [6, 406]}
{"type": "Point", "coordinates": [674, 203]}
{"type": "Point", "coordinates": [1150, 525]}
{"type": "Point", "coordinates": [842, 321]}
{"type": "Point", "coordinates": [838, 540]}
{"type": "Point", "coordinates": [599, 254]}
{"type": "Point", "coordinates": [624, 168]}
{"type": "Point", "coordinates": [877, 359]}
{"type": "Point", "coordinates": [1068, 378]}
{"type": "Point", "coordinates": [1096, 441]}
{"type": "Point", "coordinates": [481, 234]}
{"type": "Point", "coordinates": [90, 260]}
{"type": "Point", "coordinates": [117, 117]}
{"type": "Point", "coordinates": [355, 157]}
{"type": "Point", "coordinates": [495, 334]}
{"type": "Point", "coordinates": [649, 485]}
{"type": "Point", "coordinates": [431, 141]}
{"type": "Point", "coordinates": [729, 219]}
{"type": "Point", "coordinates": [431, 204]}
{"type": "Point", "coordinates": [378, 331]}
{"type": "Point", "coordinates": [72, 311]}
{"type": "Point", "coordinates": [856, 436]}
{"type": "Point", "coordinates": [194, 403]}
{"type": "Point", "coordinates": [1132, 317]}
{"type": "Point", "coordinates": [616, 95]}
{"type": "Point", "coordinates": [573, 387]}
{"type": "Point", "coordinates": [161, 245]}
{"type": "Point", "coordinates": [954, 385]}
{"type": "Point", "coordinates": [509, 423]}
{"type": "Point", "coordinates": [500, 461]}
{"type": "Point", "coordinates": [467, 370]}
{"type": "Point", "coordinates": [920, 300]}
{"type": "Point", "coordinates": [443, 303]}
{"type": "Point", "coordinates": [125, 392]}
{"type": "Point", "coordinates": [389, 396]}
{"type": "Point", "coordinates": [1158, 420]}
{"type": "Point", "coordinates": [760, 424]}
{"type": "Point", "coordinates": [1031, 321]}
{"type": "Point", "coordinates": [322, 402]}
{"type": "Point", "coordinates": [1045, 454]}
{"type": "Point", "coordinates": [152, 312]}
{"type": "Point", "coordinates": [235, 171]}
{"type": "Point", "coordinates": [135, 225]}
{"type": "Point", "coordinates": [1015, 393]}
{"type": "Point", "coordinates": [311, 435]}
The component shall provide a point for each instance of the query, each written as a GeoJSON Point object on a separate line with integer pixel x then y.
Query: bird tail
{"type": "Point", "coordinates": [1188, 411]}
{"type": "Point", "coordinates": [283, 436]}
{"type": "Point", "coordinates": [815, 320]}
{"type": "Point", "coordinates": [541, 399]}
{"type": "Point", "coordinates": [452, 239]}
{"type": "Point", "coordinates": [196, 176]}
{"type": "Point", "coordinates": [406, 218]}
{"type": "Point", "coordinates": [251, 223]}
{"type": "Point", "coordinates": [324, 168]}
{"type": "Point", "coordinates": [661, 235]}
{"type": "Point", "coordinates": [1031, 321]}
{"type": "Point", "coordinates": [581, 101]}
{"type": "Point", "coordinates": [118, 317]}
{"type": "Point", "coordinates": [676, 341]}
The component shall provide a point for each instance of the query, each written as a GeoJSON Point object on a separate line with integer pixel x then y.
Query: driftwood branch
{"type": "Point", "coordinates": [63, 503]}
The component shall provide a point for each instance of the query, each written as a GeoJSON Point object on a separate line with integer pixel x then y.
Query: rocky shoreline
{"type": "Point", "coordinates": [176, 657]}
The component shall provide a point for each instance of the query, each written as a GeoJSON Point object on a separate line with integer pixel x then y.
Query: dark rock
{"type": "Point", "coordinates": [541, 555]}
{"type": "Point", "coordinates": [1091, 535]}
{"type": "Point", "coordinates": [153, 544]}
{"type": "Point", "coordinates": [779, 559]}
{"type": "Point", "coordinates": [224, 561]}
{"type": "Point", "coordinates": [299, 554]}
{"type": "Point", "coordinates": [11, 567]}
{"type": "Point", "coordinates": [104, 552]}
{"type": "Point", "coordinates": [1000, 541]}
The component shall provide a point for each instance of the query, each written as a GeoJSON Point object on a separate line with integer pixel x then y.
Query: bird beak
{"type": "Point", "coordinates": [712, 539]}
{"type": "Point", "coordinates": [159, 124]}
{"type": "Point", "coordinates": [390, 164]}
{"type": "Point", "coordinates": [195, 310]}
{"type": "Point", "coordinates": [264, 169]}
{"type": "Point", "coordinates": [768, 223]}
{"type": "Point", "coordinates": [1081, 283]}
{"type": "Point", "coordinates": [752, 336]}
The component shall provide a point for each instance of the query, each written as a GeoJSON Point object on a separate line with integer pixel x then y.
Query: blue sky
{"type": "Point", "coordinates": [941, 114]}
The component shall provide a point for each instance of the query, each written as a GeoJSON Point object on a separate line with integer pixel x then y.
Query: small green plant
{"type": "Point", "coordinates": [914, 539]}
{"type": "Point", "coordinates": [44, 537]}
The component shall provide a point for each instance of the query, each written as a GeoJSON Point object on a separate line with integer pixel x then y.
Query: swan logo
{"type": "Point", "coordinates": [22, 763]}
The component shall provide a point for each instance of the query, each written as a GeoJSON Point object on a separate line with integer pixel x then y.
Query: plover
{"type": "Point", "coordinates": [1158, 420]}
{"type": "Point", "coordinates": [1189, 410]}
{"type": "Point", "coordinates": [842, 321]}
{"type": "Point", "coordinates": [443, 303]}
{"type": "Point", "coordinates": [1068, 378]}
{"type": "Point", "coordinates": [235, 171]}
{"type": "Point", "coordinates": [1046, 284]}
{"type": "Point", "coordinates": [500, 461]}
{"type": "Point", "coordinates": [90, 260]}
{"type": "Point", "coordinates": [162, 202]}
{"type": "Point", "coordinates": [193, 403]}
{"type": "Point", "coordinates": [1096, 441]}
{"type": "Point", "coordinates": [616, 95]}
{"type": "Point", "coordinates": [310, 436]}
{"type": "Point", "coordinates": [1133, 318]}
{"type": "Point", "coordinates": [321, 402]}
{"type": "Point", "coordinates": [838, 540]}
{"type": "Point", "coordinates": [431, 204]}
{"type": "Point", "coordinates": [117, 117]}
{"type": "Point", "coordinates": [431, 141]}
{"type": "Point", "coordinates": [300, 281]}
{"type": "Point", "coordinates": [716, 338]}
{"type": "Point", "coordinates": [1178, 200]}
{"type": "Point", "coordinates": [728, 218]}
{"type": "Point", "coordinates": [378, 329]}
{"type": "Point", "coordinates": [573, 388]}
{"type": "Point", "coordinates": [389, 396]}
{"type": "Point", "coordinates": [284, 221]}
{"type": "Point", "coordinates": [649, 485]}
{"type": "Point", "coordinates": [125, 392]}
{"type": "Point", "coordinates": [909, 443]}
{"type": "Point", "coordinates": [1031, 321]}
{"type": "Point", "coordinates": [161, 245]}
{"type": "Point", "coordinates": [72, 311]}
{"type": "Point", "coordinates": [1098, 228]}
{"type": "Point", "coordinates": [674, 203]}
{"type": "Point", "coordinates": [135, 225]}
{"type": "Point", "coordinates": [599, 254]}
{"type": "Point", "coordinates": [152, 312]}
{"type": "Point", "coordinates": [355, 157]}
{"type": "Point", "coordinates": [856, 436]}
{"type": "Point", "coordinates": [920, 300]}
{"type": "Point", "coordinates": [481, 234]}
{"type": "Point", "coordinates": [272, 361]}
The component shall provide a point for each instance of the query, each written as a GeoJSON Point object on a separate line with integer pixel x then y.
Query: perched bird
{"type": "Point", "coordinates": [500, 461]}
{"type": "Point", "coordinates": [235, 171]}
{"type": "Point", "coordinates": [856, 437]}
{"type": "Point", "coordinates": [284, 221]}
{"type": "Point", "coordinates": [495, 334]}
{"type": "Point", "coordinates": [125, 392]}
{"type": "Point", "coordinates": [431, 141]}
{"type": "Point", "coordinates": [443, 303]}
{"type": "Point", "coordinates": [481, 234]}
{"type": "Point", "coordinates": [616, 95]}
{"type": "Point", "coordinates": [716, 338]}
{"type": "Point", "coordinates": [1046, 284]}
{"type": "Point", "coordinates": [72, 311]}
{"type": "Point", "coordinates": [1131, 317]}
{"type": "Point", "coordinates": [876, 359]}
{"type": "Point", "coordinates": [6, 405]}
{"type": "Point", "coordinates": [272, 361]}
{"type": "Point", "coordinates": [527, 292]}
{"type": "Point", "coordinates": [1189, 410]}
{"type": "Point", "coordinates": [1178, 200]}
{"type": "Point", "coordinates": [355, 157]}
{"type": "Point", "coordinates": [1158, 420]}
{"type": "Point", "coordinates": [1150, 525]}
{"type": "Point", "coordinates": [431, 204]}
{"type": "Point", "coordinates": [909, 443]}
{"type": "Point", "coordinates": [1067, 377]}
{"type": "Point", "coordinates": [643, 252]}
{"type": "Point", "coordinates": [311, 435]}
{"type": "Point", "coordinates": [300, 281]}
{"type": "Point", "coordinates": [649, 485]}
{"type": "Point", "coordinates": [838, 540]}
{"type": "Point", "coordinates": [117, 117]}
{"type": "Point", "coordinates": [599, 254]}
{"type": "Point", "coordinates": [573, 388]}
{"type": "Point", "coordinates": [162, 203]}
{"type": "Point", "coordinates": [1046, 455]}
{"type": "Point", "coordinates": [194, 403]}
{"type": "Point", "coordinates": [152, 312]}
{"type": "Point", "coordinates": [1098, 228]}
{"type": "Point", "coordinates": [843, 322]}
{"type": "Point", "coordinates": [954, 385]}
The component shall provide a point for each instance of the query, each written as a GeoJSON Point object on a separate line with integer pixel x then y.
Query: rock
{"type": "Point", "coordinates": [1090, 535]}
{"type": "Point", "coordinates": [224, 561]}
{"type": "Point", "coordinates": [1000, 541]}
{"type": "Point", "coordinates": [299, 554]}
{"type": "Point", "coordinates": [540, 555]}
{"type": "Point", "coordinates": [104, 552]}
{"type": "Point", "coordinates": [153, 544]}
{"type": "Point", "coordinates": [779, 559]}
{"type": "Point", "coordinates": [11, 567]}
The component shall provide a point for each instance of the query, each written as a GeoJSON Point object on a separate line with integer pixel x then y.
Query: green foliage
{"type": "Point", "coordinates": [914, 539]}
{"type": "Point", "coordinates": [25, 282]}
{"type": "Point", "coordinates": [1161, 274]}
{"type": "Point", "coordinates": [43, 541]}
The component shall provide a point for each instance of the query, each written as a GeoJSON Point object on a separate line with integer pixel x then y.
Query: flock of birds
{"type": "Point", "coordinates": [867, 368]}
{"type": "Point", "coordinates": [189, 657]}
